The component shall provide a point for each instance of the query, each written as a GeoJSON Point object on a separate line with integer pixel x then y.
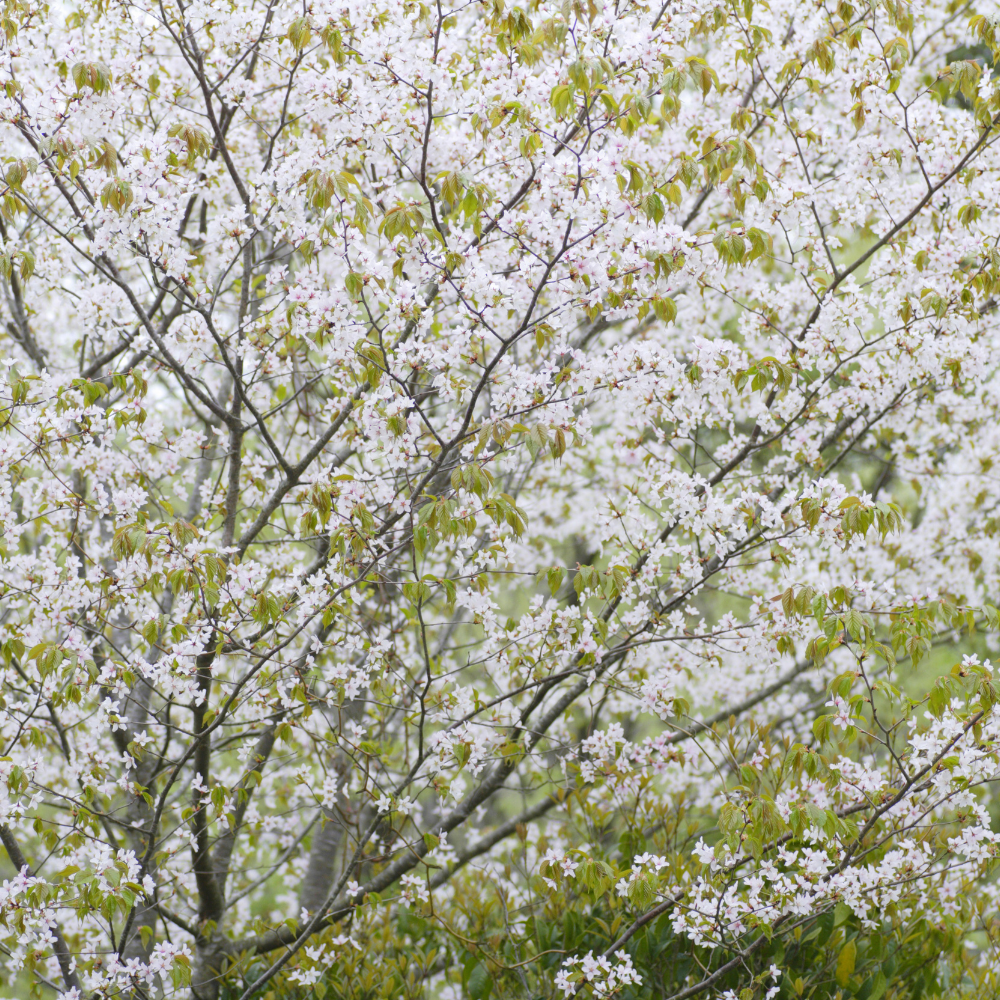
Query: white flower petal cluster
{"type": "Point", "coordinates": [516, 483]}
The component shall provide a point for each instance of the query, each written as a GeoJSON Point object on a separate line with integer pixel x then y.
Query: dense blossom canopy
{"type": "Point", "coordinates": [499, 497]}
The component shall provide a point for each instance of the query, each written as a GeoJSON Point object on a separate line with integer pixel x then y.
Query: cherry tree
{"type": "Point", "coordinates": [499, 499]}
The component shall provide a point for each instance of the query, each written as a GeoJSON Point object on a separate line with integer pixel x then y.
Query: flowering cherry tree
{"type": "Point", "coordinates": [499, 498]}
